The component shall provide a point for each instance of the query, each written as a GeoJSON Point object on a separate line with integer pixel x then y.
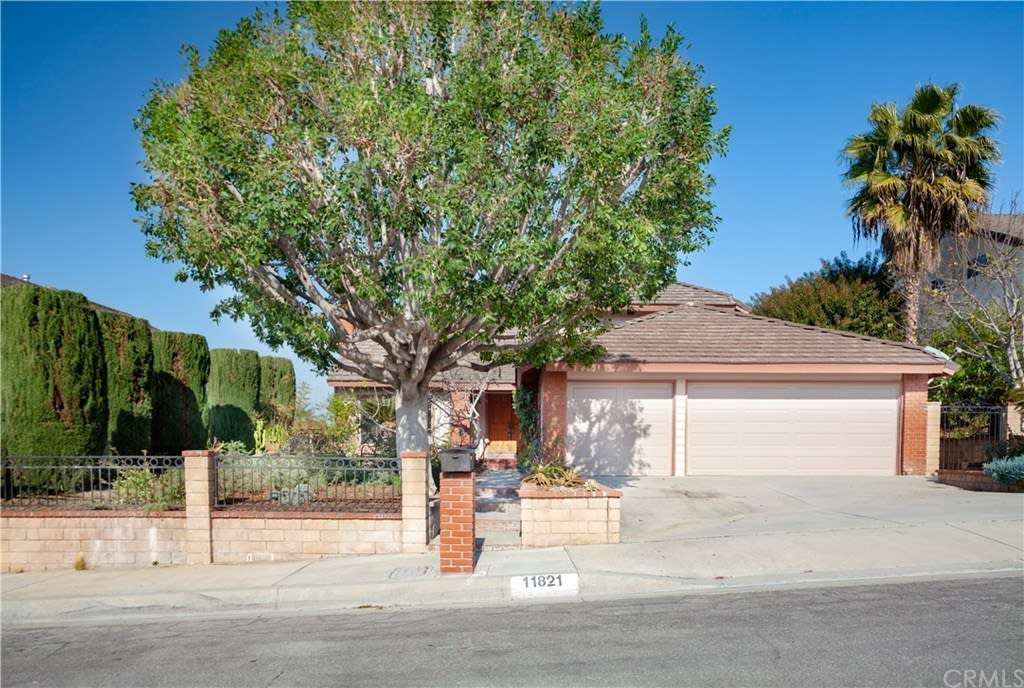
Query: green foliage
{"type": "Point", "coordinates": [977, 382]}
{"type": "Point", "coordinates": [427, 177]}
{"type": "Point", "coordinates": [1009, 471]}
{"type": "Point", "coordinates": [554, 475]}
{"type": "Point", "coordinates": [1012, 446]}
{"type": "Point", "coordinates": [233, 393]}
{"type": "Point", "coordinates": [181, 368]}
{"type": "Point", "coordinates": [128, 349]}
{"type": "Point", "coordinates": [344, 413]}
{"type": "Point", "coordinates": [277, 390]}
{"type": "Point", "coordinates": [54, 376]}
{"type": "Point", "coordinates": [920, 173]}
{"type": "Point", "coordinates": [148, 489]}
{"type": "Point", "coordinates": [842, 295]}
{"type": "Point", "coordinates": [524, 403]}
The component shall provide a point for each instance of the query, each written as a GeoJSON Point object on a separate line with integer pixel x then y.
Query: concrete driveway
{"type": "Point", "coordinates": [660, 509]}
{"type": "Point", "coordinates": [743, 531]}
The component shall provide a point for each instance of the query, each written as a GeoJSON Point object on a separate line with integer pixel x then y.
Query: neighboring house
{"type": "Point", "coordinates": [691, 384]}
{"type": "Point", "coordinates": [963, 260]}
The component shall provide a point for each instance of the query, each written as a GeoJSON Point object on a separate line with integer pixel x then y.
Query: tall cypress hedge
{"type": "Point", "coordinates": [128, 349]}
{"type": "Point", "coordinates": [233, 393]}
{"type": "Point", "coordinates": [277, 389]}
{"type": "Point", "coordinates": [181, 369]}
{"type": "Point", "coordinates": [53, 394]}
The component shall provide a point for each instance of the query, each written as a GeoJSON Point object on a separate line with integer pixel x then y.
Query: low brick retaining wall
{"type": "Point", "coordinates": [54, 540]}
{"type": "Point", "coordinates": [973, 480]}
{"type": "Point", "coordinates": [276, 537]}
{"type": "Point", "coordinates": [203, 533]}
{"type": "Point", "coordinates": [552, 517]}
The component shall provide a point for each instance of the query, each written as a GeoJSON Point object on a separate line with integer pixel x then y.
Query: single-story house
{"type": "Point", "coordinates": [692, 384]}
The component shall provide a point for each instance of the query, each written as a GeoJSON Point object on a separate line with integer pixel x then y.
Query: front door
{"type": "Point", "coordinates": [502, 424]}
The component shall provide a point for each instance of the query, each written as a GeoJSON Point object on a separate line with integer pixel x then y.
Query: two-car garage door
{"type": "Point", "coordinates": [734, 428]}
{"type": "Point", "coordinates": [792, 428]}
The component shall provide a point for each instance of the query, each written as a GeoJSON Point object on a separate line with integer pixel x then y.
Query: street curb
{"type": "Point", "coordinates": [454, 591]}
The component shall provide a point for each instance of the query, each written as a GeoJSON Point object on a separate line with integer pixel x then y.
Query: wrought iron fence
{"type": "Point", "coordinates": [309, 483]}
{"type": "Point", "coordinates": [150, 483]}
{"type": "Point", "coordinates": [968, 432]}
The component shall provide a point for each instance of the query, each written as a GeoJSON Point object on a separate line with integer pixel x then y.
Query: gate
{"type": "Point", "coordinates": [967, 432]}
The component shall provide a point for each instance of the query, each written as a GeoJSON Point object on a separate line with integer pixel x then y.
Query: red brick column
{"type": "Point", "coordinates": [458, 522]}
{"type": "Point", "coordinates": [200, 498]}
{"type": "Point", "coordinates": [554, 399]}
{"type": "Point", "coordinates": [914, 433]}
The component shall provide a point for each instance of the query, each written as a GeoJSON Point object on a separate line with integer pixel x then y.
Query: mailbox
{"type": "Point", "coordinates": [456, 460]}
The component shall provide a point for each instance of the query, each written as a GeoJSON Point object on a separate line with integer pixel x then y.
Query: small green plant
{"type": "Point", "coordinates": [232, 448]}
{"type": "Point", "coordinates": [143, 487]}
{"type": "Point", "coordinates": [1009, 471]}
{"type": "Point", "coordinates": [591, 486]}
{"type": "Point", "coordinates": [79, 564]}
{"type": "Point", "coordinates": [553, 475]}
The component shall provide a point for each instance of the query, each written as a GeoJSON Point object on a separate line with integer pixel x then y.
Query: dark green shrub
{"type": "Point", "coordinates": [233, 394]}
{"type": "Point", "coordinates": [54, 377]}
{"type": "Point", "coordinates": [128, 350]}
{"type": "Point", "coordinates": [277, 390]}
{"type": "Point", "coordinates": [181, 369]}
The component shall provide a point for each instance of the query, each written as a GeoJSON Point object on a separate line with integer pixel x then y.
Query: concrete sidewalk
{"type": "Point", "coordinates": [698, 563]}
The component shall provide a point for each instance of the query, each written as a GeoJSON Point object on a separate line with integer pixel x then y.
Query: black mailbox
{"type": "Point", "coordinates": [456, 460]}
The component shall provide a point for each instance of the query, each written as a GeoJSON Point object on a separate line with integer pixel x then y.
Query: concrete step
{"type": "Point", "coordinates": [489, 464]}
{"type": "Point", "coordinates": [498, 541]}
{"type": "Point", "coordinates": [506, 505]}
{"type": "Point", "coordinates": [497, 521]}
{"type": "Point", "coordinates": [499, 493]}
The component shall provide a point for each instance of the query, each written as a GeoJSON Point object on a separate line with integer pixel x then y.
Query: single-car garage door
{"type": "Point", "coordinates": [620, 428]}
{"type": "Point", "coordinates": [792, 429]}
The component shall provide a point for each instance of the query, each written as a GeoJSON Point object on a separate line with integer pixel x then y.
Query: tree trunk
{"type": "Point", "coordinates": [911, 306]}
{"type": "Point", "coordinates": [411, 407]}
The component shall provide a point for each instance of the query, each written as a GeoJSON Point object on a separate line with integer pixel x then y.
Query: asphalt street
{"type": "Point", "coordinates": [948, 633]}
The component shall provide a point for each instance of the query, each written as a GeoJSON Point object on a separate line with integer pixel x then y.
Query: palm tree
{"type": "Point", "coordinates": [921, 174]}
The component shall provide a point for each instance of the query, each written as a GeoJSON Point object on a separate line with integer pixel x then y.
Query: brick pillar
{"type": "Point", "coordinates": [914, 434]}
{"type": "Point", "coordinates": [931, 464]}
{"type": "Point", "coordinates": [1014, 420]}
{"type": "Point", "coordinates": [554, 399]}
{"type": "Point", "coordinates": [415, 506]}
{"type": "Point", "coordinates": [200, 497]}
{"type": "Point", "coordinates": [458, 522]}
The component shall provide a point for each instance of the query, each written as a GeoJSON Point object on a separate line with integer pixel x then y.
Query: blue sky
{"type": "Point", "coordinates": [795, 80]}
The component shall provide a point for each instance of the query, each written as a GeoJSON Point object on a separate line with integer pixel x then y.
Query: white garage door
{"type": "Point", "coordinates": [620, 428]}
{"type": "Point", "coordinates": [792, 429]}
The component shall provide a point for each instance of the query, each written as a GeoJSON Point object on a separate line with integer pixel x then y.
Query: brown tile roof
{"type": "Point", "coordinates": [1005, 225]}
{"type": "Point", "coordinates": [701, 334]}
{"type": "Point", "coordinates": [681, 292]}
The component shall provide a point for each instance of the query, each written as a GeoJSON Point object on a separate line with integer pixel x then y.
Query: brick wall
{"type": "Point", "coordinates": [276, 537]}
{"type": "Point", "coordinates": [914, 439]}
{"type": "Point", "coordinates": [570, 517]}
{"type": "Point", "coordinates": [973, 480]}
{"type": "Point", "coordinates": [36, 540]}
{"type": "Point", "coordinates": [554, 399]}
{"type": "Point", "coordinates": [54, 540]}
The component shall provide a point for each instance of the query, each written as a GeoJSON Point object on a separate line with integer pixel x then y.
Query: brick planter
{"type": "Point", "coordinates": [553, 516]}
{"type": "Point", "coordinates": [974, 480]}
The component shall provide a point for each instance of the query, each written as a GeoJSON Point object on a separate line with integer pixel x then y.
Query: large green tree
{"type": "Point", "coordinates": [397, 188]}
{"type": "Point", "coordinates": [53, 392]}
{"type": "Point", "coordinates": [842, 295]}
{"type": "Point", "coordinates": [921, 172]}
